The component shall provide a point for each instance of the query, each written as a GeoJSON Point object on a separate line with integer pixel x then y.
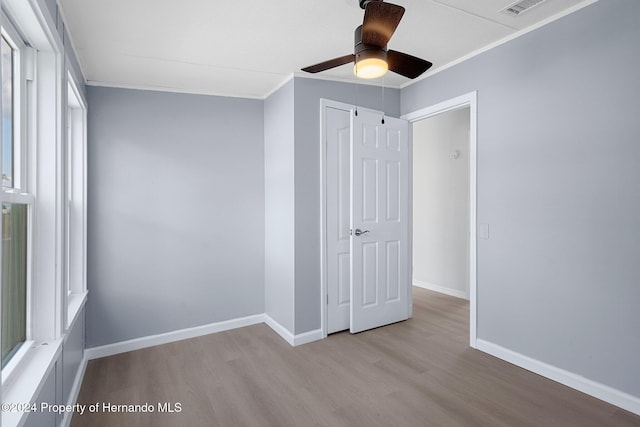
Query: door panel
{"type": "Point", "coordinates": [369, 274]}
{"type": "Point", "coordinates": [393, 139]}
{"type": "Point", "coordinates": [344, 283]}
{"type": "Point", "coordinates": [393, 271]}
{"type": "Point", "coordinates": [338, 146]}
{"type": "Point", "coordinates": [393, 191]}
{"type": "Point", "coordinates": [379, 205]}
{"type": "Point", "coordinates": [369, 190]}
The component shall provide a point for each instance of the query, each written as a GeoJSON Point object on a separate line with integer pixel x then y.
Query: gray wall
{"type": "Point", "coordinates": [279, 206]}
{"type": "Point", "coordinates": [308, 93]}
{"type": "Point", "coordinates": [175, 212]}
{"type": "Point", "coordinates": [48, 394]}
{"type": "Point", "coordinates": [441, 202]}
{"type": "Point", "coordinates": [57, 385]}
{"type": "Point", "coordinates": [73, 351]}
{"type": "Point", "coordinates": [558, 174]}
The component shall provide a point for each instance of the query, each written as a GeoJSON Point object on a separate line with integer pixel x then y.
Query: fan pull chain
{"type": "Point", "coordinates": [382, 121]}
{"type": "Point", "coordinates": [357, 86]}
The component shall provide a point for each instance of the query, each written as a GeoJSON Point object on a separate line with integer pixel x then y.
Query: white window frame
{"type": "Point", "coordinates": [45, 135]}
{"type": "Point", "coordinates": [20, 183]}
{"type": "Point", "coordinates": [75, 202]}
{"type": "Point", "coordinates": [20, 193]}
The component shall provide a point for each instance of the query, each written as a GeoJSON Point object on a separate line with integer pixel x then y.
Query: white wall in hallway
{"type": "Point", "coordinates": [441, 203]}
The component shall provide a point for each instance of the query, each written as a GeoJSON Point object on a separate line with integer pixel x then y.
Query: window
{"type": "Point", "coordinates": [16, 201]}
{"type": "Point", "coordinates": [14, 279]}
{"type": "Point", "coordinates": [42, 198]}
{"type": "Point", "coordinates": [75, 214]}
{"type": "Point", "coordinates": [68, 201]}
{"type": "Point", "coordinates": [7, 113]}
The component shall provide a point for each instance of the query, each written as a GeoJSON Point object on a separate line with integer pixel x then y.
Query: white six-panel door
{"type": "Point", "coordinates": [379, 210]}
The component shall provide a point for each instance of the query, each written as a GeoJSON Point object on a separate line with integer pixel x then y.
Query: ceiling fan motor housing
{"type": "Point", "coordinates": [361, 50]}
{"type": "Point", "coordinates": [363, 3]}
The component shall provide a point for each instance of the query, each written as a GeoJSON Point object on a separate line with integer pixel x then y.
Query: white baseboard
{"type": "Point", "coordinates": [75, 390]}
{"type": "Point", "coordinates": [308, 337]}
{"type": "Point", "coordinates": [279, 329]}
{"type": "Point", "coordinates": [441, 289]}
{"type": "Point", "coordinates": [292, 339]}
{"type": "Point", "coordinates": [592, 388]}
{"type": "Point", "coordinates": [153, 340]}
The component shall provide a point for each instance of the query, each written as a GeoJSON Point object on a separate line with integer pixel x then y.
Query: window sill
{"type": "Point", "coordinates": [75, 302]}
{"type": "Point", "coordinates": [25, 383]}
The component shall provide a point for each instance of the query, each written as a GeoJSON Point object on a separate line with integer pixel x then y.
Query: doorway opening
{"type": "Point", "coordinates": [444, 200]}
{"type": "Point", "coordinates": [441, 203]}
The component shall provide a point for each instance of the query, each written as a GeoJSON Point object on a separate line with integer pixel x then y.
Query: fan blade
{"type": "Point", "coordinates": [332, 63]}
{"type": "Point", "coordinates": [380, 22]}
{"type": "Point", "coordinates": [406, 65]}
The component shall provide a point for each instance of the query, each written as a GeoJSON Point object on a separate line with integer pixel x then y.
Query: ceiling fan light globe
{"type": "Point", "coordinates": [370, 68]}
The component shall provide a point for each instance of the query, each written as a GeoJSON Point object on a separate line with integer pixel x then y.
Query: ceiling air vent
{"type": "Point", "coordinates": [521, 6]}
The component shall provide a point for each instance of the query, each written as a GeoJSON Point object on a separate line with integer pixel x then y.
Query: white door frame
{"type": "Point", "coordinates": [467, 100]}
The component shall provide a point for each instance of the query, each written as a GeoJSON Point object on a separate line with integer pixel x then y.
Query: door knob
{"type": "Point", "coordinates": [359, 232]}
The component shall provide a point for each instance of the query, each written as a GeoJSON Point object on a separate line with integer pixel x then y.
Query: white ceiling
{"type": "Point", "coordinates": [247, 48]}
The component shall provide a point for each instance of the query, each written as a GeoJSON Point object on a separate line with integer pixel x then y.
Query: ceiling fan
{"type": "Point", "coordinates": [370, 54]}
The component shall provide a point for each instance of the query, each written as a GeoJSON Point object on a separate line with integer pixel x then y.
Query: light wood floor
{"type": "Point", "coordinates": [415, 373]}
